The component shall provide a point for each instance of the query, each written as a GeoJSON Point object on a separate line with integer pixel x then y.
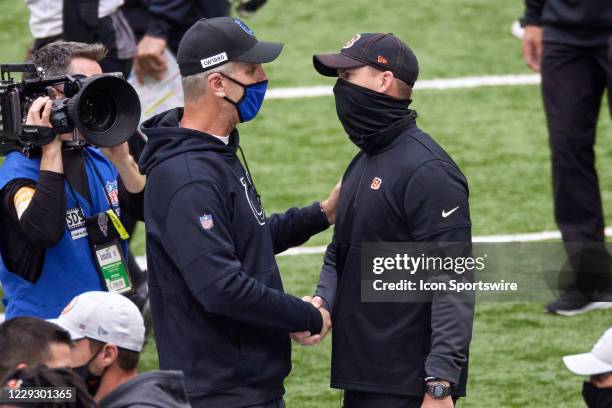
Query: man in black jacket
{"type": "Point", "coordinates": [400, 187]}
{"type": "Point", "coordinates": [568, 41]}
{"type": "Point", "coordinates": [219, 311]}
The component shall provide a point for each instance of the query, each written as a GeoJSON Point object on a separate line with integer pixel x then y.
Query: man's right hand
{"type": "Point", "coordinates": [532, 47]}
{"type": "Point", "coordinates": [150, 59]}
{"type": "Point", "coordinates": [39, 114]}
{"type": "Point", "coordinates": [305, 338]}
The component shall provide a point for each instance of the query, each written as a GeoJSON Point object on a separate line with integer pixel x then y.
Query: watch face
{"type": "Point", "coordinates": [438, 391]}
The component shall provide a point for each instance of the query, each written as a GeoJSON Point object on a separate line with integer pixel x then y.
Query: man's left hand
{"type": "Point", "coordinates": [150, 59]}
{"type": "Point", "coordinates": [118, 155]}
{"type": "Point", "coordinates": [331, 202]}
{"type": "Point", "coordinates": [121, 158]}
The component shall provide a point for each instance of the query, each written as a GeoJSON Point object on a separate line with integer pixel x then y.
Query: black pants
{"type": "Point", "coordinates": [360, 399]}
{"type": "Point", "coordinates": [573, 82]}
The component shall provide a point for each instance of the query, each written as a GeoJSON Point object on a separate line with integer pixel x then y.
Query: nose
{"type": "Point", "coordinates": [260, 74]}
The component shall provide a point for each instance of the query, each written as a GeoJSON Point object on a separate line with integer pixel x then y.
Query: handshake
{"type": "Point", "coordinates": [306, 338]}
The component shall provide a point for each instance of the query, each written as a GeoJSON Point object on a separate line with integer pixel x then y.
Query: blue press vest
{"type": "Point", "coordinates": [69, 268]}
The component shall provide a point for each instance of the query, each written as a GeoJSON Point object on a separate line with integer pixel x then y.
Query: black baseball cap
{"type": "Point", "coordinates": [382, 51]}
{"type": "Point", "coordinates": [212, 42]}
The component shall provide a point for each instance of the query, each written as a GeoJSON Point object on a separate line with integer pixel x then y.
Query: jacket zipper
{"type": "Point", "coordinates": [360, 180]}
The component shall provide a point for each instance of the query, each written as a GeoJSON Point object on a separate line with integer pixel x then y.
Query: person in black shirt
{"type": "Point", "coordinates": [569, 42]}
{"type": "Point", "coordinates": [400, 187]}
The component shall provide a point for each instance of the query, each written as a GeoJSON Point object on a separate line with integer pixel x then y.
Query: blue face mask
{"type": "Point", "coordinates": [251, 100]}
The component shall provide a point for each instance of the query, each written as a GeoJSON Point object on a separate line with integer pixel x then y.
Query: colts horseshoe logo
{"type": "Point", "coordinates": [257, 209]}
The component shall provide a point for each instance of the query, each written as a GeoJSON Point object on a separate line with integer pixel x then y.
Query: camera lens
{"type": "Point", "coordinates": [106, 110]}
{"type": "Point", "coordinates": [98, 112]}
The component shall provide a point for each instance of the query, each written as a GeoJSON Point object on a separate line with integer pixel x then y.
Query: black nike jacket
{"type": "Point", "coordinates": [402, 187]}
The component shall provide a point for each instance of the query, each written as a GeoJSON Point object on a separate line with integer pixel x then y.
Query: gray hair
{"type": "Point", "coordinates": [55, 58]}
{"type": "Point", "coordinates": [195, 85]}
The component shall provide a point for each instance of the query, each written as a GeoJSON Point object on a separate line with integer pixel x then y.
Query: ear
{"type": "Point", "coordinates": [215, 84]}
{"type": "Point", "coordinates": [110, 353]}
{"type": "Point", "coordinates": [386, 80]}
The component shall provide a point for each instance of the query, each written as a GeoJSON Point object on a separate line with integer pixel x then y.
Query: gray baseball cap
{"type": "Point", "coordinates": [598, 361]}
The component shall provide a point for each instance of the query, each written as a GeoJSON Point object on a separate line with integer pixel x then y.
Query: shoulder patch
{"type": "Point", "coordinates": [207, 221]}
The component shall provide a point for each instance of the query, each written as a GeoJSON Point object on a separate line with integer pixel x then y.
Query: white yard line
{"type": "Point", "coordinates": [445, 83]}
{"type": "Point", "coordinates": [527, 237]}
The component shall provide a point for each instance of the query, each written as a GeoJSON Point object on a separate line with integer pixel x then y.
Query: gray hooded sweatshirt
{"type": "Point", "coordinates": [163, 389]}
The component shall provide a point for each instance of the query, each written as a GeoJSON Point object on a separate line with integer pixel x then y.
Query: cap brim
{"type": "Point", "coordinates": [261, 53]}
{"type": "Point", "coordinates": [74, 336]}
{"type": "Point", "coordinates": [586, 364]}
{"type": "Point", "coordinates": [329, 64]}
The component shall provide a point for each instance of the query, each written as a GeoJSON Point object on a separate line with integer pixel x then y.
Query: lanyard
{"type": "Point", "coordinates": [248, 172]}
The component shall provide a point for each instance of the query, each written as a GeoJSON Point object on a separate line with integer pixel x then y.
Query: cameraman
{"type": "Point", "coordinates": [51, 203]}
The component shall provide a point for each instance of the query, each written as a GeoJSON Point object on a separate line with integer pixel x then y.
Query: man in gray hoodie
{"type": "Point", "coordinates": [109, 333]}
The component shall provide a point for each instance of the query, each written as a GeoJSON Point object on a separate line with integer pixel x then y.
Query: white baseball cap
{"type": "Point", "coordinates": [598, 361]}
{"type": "Point", "coordinates": [106, 317]}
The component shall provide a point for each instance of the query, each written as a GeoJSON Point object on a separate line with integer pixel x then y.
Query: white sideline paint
{"type": "Point", "coordinates": [527, 237]}
{"type": "Point", "coordinates": [446, 83]}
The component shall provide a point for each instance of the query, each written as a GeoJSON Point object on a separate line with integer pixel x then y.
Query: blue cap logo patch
{"type": "Point", "coordinates": [244, 27]}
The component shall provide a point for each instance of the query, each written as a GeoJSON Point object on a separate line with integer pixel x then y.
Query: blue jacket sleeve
{"type": "Point", "coordinates": [207, 260]}
{"type": "Point", "coordinates": [296, 226]}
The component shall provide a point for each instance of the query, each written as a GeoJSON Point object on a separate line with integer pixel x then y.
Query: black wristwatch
{"type": "Point", "coordinates": [436, 388]}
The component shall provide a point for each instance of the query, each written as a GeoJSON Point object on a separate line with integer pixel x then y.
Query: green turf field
{"type": "Point", "coordinates": [297, 151]}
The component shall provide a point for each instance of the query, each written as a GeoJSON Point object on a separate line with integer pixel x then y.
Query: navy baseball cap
{"type": "Point", "coordinates": [381, 51]}
{"type": "Point", "coordinates": [212, 42]}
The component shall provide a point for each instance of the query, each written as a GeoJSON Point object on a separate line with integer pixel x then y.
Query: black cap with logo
{"type": "Point", "coordinates": [210, 43]}
{"type": "Point", "coordinates": [382, 51]}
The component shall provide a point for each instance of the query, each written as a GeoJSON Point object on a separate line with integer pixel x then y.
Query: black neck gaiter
{"type": "Point", "coordinates": [597, 397]}
{"type": "Point", "coordinates": [364, 112]}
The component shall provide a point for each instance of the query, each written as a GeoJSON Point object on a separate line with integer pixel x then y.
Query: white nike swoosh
{"type": "Point", "coordinates": [447, 213]}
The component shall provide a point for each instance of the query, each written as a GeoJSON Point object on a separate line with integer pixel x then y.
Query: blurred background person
{"type": "Point", "coordinates": [597, 365]}
{"type": "Point", "coordinates": [161, 24]}
{"type": "Point", "coordinates": [567, 41]}
{"type": "Point", "coordinates": [109, 333]}
{"type": "Point", "coordinates": [28, 341]}
{"type": "Point", "coordinates": [86, 21]}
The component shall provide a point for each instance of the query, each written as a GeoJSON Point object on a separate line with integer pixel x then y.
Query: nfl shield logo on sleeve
{"type": "Point", "coordinates": [207, 221]}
